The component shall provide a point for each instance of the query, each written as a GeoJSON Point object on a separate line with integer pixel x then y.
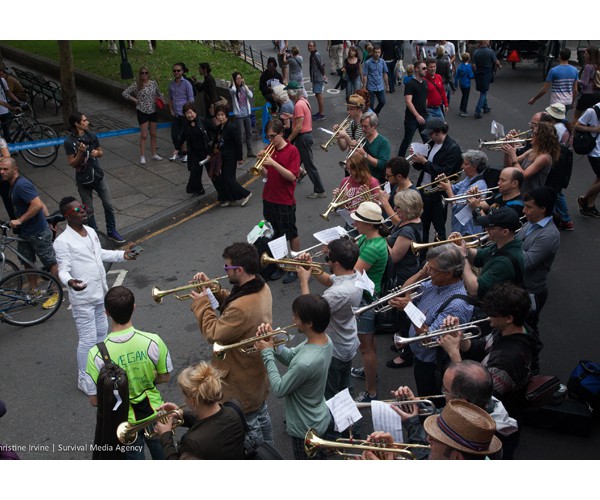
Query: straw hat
{"type": "Point", "coordinates": [464, 427]}
{"type": "Point", "coordinates": [557, 111]}
{"type": "Point", "coordinates": [368, 212]}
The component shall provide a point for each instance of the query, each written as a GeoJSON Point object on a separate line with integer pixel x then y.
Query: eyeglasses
{"type": "Point", "coordinates": [271, 136]}
{"type": "Point", "coordinates": [79, 209]}
{"type": "Point", "coordinates": [227, 268]}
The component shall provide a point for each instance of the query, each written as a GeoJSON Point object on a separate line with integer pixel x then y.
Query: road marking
{"type": "Point", "coordinates": [121, 273]}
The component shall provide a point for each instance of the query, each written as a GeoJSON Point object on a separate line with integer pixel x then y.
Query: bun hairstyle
{"type": "Point", "coordinates": [201, 383]}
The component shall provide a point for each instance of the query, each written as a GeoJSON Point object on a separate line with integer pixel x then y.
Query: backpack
{"type": "Point", "coordinates": [113, 408]}
{"type": "Point", "coordinates": [584, 142]}
{"type": "Point", "coordinates": [584, 384]}
{"type": "Point", "coordinates": [560, 173]}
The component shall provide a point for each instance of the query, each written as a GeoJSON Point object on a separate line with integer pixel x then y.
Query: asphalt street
{"type": "Point", "coordinates": [51, 419]}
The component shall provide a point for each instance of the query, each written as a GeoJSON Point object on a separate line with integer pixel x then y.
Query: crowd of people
{"type": "Point", "coordinates": [493, 265]}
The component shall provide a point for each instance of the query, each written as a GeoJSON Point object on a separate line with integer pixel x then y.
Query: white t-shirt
{"type": "Point", "coordinates": [590, 119]}
{"type": "Point", "coordinates": [3, 96]}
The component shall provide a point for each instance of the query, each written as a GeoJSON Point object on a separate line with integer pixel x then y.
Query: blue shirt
{"type": "Point", "coordinates": [22, 193]}
{"type": "Point", "coordinates": [464, 75]}
{"type": "Point", "coordinates": [374, 71]}
{"type": "Point", "coordinates": [534, 225]}
{"type": "Point", "coordinates": [562, 77]}
{"type": "Point", "coordinates": [458, 189]}
{"type": "Point", "coordinates": [429, 303]}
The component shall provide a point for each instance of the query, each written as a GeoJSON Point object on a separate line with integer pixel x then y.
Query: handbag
{"type": "Point", "coordinates": [160, 104]}
{"type": "Point", "coordinates": [539, 390]}
{"type": "Point", "coordinates": [215, 164]}
{"type": "Point", "coordinates": [584, 142]}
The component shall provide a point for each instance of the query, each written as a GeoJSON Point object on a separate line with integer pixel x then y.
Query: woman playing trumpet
{"type": "Point", "coordinates": [216, 431]}
{"type": "Point", "coordinates": [358, 181]}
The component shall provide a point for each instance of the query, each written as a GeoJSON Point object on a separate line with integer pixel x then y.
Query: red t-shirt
{"type": "Point", "coordinates": [277, 189]}
{"type": "Point", "coordinates": [436, 94]}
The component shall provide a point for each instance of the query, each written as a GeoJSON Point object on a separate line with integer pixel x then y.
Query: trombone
{"type": "Point", "coordinates": [382, 304]}
{"type": "Point", "coordinates": [127, 433]}
{"type": "Point", "coordinates": [434, 187]}
{"type": "Point", "coordinates": [430, 339]}
{"type": "Point", "coordinates": [289, 265]}
{"type": "Point", "coordinates": [257, 168]}
{"type": "Point", "coordinates": [472, 241]}
{"type": "Point", "coordinates": [487, 194]}
{"type": "Point", "coordinates": [213, 284]}
{"type": "Point", "coordinates": [220, 351]}
{"type": "Point", "coordinates": [338, 201]}
{"type": "Point", "coordinates": [359, 144]}
{"type": "Point", "coordinates": [401, 451]}
{"type": "Point", "coordinates": [335, 136]}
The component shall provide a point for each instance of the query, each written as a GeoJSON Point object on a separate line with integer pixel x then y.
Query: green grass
{"type": "Point", "coordinates": [88, 57]}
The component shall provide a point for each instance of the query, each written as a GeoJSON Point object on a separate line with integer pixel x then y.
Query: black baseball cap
{"type": "Point", "coordinates": [504, 217]}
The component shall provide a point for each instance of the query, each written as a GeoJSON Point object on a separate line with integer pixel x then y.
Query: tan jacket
{"type": "Point", "coordinates": [245, 377]}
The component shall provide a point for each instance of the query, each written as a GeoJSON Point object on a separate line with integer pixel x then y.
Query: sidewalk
{"type": "Point", "coordinates": [143, 196]}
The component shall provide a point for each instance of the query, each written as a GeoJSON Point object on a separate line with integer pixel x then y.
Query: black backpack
{"type": "Point", "coordinates": [585, 142]}
{"type": "Point", "coordinates": [560, 173]}
{"type": "Point", "coordinates": [112, 381]}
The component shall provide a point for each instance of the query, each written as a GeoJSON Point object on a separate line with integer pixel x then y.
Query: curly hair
{"type": "Point", "coordinates": [546, 141]}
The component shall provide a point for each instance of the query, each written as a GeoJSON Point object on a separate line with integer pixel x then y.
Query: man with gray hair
{"type": "Point", "coordinates": [443, 295]}
{"type": "Point", "coordinates": [376, 149]}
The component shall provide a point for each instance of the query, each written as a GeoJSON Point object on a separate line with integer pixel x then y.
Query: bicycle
{"type": "Point", "coordinates": [27, 129]}
{"type": "Point", "coordinates": [25, 294]}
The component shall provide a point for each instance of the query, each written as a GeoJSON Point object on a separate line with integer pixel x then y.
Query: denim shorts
{"type": "Point", "coordinates": [318, 87]}
{"type": "Point", "coordinates": [38, 244]}
{"type": "Point", "coordinates": [365, 323]}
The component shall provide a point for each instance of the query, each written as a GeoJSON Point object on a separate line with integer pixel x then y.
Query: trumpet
{"type": "Point", "coordinates": [401, 451]}
{"type": "Point", "coordinates": [336, 135]}
{"type": "Point", "coordinates": [257, 168]}
{"type": "Point", "coordinates": [485, 194]}
{"type": "Point", "coordinates": [220, 351]}
{"type": "Point", "coordinates": [338, 197]}
{"type": "Point", "coordinates": [321, 252]}
{"type": "Point", "coordinates": [472, 241]}
{"type": "Point", "coordinates": [359, 145]}
{"type": "Point", "coordinates": [498, 143]}
{"type": "Point", "coordinates": [426, 406]}
{"type": "Point", "coordinates": [289, 265]}
{"type": "Point", "coordinates": [340, 201]}
{"type": "Point", "coordinates": [127, 433]}
{"type": "Point", "coordinates": [434, 187]}
{"type": "Point", "coordinates": [470, 330]}
{"type": "Point", "coordinates": [213, 284]}
{"type": "Point", "coordinates": [382, 304]}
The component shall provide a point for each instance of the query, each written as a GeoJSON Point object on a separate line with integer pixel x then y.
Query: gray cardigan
{"type": "Point", "coordinates": [539, 249]}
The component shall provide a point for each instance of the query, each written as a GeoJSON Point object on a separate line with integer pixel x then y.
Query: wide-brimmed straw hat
{"type": "Point", "coordinates": [368, 212]}
{"type": "Point", "coordinates": [464, 427]}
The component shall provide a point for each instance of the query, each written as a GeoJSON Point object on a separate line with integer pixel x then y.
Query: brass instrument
{"type": "Point", "coordinates": [340, 201]}
{"type": "Point", "coordinates": [485, 194]}
{"type": "Point", "coordinates": [359, 145]}
{"type": "Point", "coordinates": [127, 433]}
{"type": "Point", "coordinates": [312, 443]}
{"type": "Point", "coordinates": [213, 284]}
{"type": "Point", "coordinates": [472, 241]}
{"type": "Point", "coordinates": [507, 139]}
{"type": "Point", "coordinates": [294, 255]}
{"type": "Point", "coordinates": [434, 187]}
{"type": "Point", "coordinates": [337, 198]}
{"type": "Point", "coordinates": [470, 331]}
{"type": "Point", "coordinates": [336, 135]}
{"type": "Point", "coordinates": [382, 304]}
{"type": "Point", "coordinates": [410, 157]}
{"type": "Point", "coordinates": [426, 406]}
{"type": "Point", "coordinates": [220, 351]}
{"type": "Point", "coordinates": [257, 168]}
{"type": "Point", "coordinates": [289, 265]}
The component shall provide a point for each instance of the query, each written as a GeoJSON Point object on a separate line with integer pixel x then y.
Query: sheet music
{"type": "Point", "coordinates": [465, 215]}
{"type": "Point", "coordinates": [415, 314]}
{"type": "Point", "coordinates": [364, 282]}
{"type": "Point", "coordinates": [278, 247]}
{"type": "Point", "coordinates": [387, 188]}
{"type": "Point", "coordinates": [497, 129]}
{"type": "Point", "coordinates": [420, 149]}
{"type": "Point", "coordinates": [213, 301]}
{"type": "Point", "coordinates": [387, 420]}
{"type": "Point", "coordinates": [328, 235]}
{"type": "Point", "coordinates": [346, 216]}
{"type": "Point", "coordinates": [344, 410]}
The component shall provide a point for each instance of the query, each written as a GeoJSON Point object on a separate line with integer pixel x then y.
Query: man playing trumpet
{"type": "Point", "coordinates": [242, 310]}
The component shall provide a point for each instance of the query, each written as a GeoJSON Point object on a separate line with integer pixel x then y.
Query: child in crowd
{"type": "Point", "coordinates": [410, 72]}
{"type": "Point", "coordinates": [464, 75]}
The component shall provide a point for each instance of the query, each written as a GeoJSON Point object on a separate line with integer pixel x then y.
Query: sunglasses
{"type": "Point", "coordinates": [79, 209]}
{"type": "Point", "coordinates": [177, 70]}
{"type": "Point", "coordinates": [143, 72]}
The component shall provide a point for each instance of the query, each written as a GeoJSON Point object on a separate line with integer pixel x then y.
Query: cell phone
{"type": "Point", "coordinates": [135, 251]}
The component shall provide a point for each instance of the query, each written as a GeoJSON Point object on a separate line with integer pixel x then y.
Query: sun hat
{"type": "Point", "coordinates": [368, 212]}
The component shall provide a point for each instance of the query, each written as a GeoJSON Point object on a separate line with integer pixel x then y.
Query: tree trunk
{"type": "Point", "coordinates": [67, 80]}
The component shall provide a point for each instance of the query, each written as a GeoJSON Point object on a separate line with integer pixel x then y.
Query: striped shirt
{"type": "Point", "coordinates": [375, 253]}
{"type": "Point", "coordinates": [562, 77]}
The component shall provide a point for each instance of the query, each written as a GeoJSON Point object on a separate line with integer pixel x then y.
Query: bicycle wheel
{"type": "Point", "coordinates": [8, 267]}
{"type": "Point", "coordinates": [43, 156]}
{"type": "Point", "coordinates": [107, 244]}
{"type": "Point", "coordinates": [23, 295]}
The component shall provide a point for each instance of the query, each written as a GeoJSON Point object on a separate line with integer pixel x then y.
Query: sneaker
{"type": "Point", "coordinates": [583, 208]}
{"type": "Point", "coordinates": [51, 302]}
{"type": "Point", "coordinates": [225, 204]}
{"type": "Point", "coordinates": [156, 157]}
{"type": "Point", "coordinates": [142, 160]}
{"type": "Point", "coordinates": [566, 225]}
{"type": "Point", "coordinates": [358, 372]}
{"type": "Point", "coordinates": [290, 277]}
{"type": "Point", "coordinates": [116, 237]}
{"type": "Point", "coordinates": [593, 211]}
{"type": "Point", "coordinates": [477, 116]}
{"type": "Point", "coordinates": [464, 115]}
{"type": "Point", "coordinates": [485, 111]}
{"type": "Point", "coordinates": [246, 200]}
{"type": "Point", "coordinates": [313, 196]}
{"type": "Point", "coordinates": [184, 159]}
{"type": "Point", "coordinates": [81, 386]}
{"type": "Point", "coordinates": [365, 397]}
{"type": "Point", "coordinates": [174, 157]}
{"type": "Point", "coordinates": [318, 117]}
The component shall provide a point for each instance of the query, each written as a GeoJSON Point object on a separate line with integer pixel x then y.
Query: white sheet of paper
{"type": "Point", "coordinates": [346, 216]}
{"type": "Point", "coordinates": [497, 129]}
{"type": "Point", "coordinates": [213, 301]}
{"type": "Point", "coordinates": [278, 247]}
{"type": "Point", "coordinates": [364, 282]}
{"type": "Point", "coordinates": [387, 420]}
{"type": "Point", "coordinates": [328, 235]}
{"type": "Point", "coordinates": [344, 410]}
{"type": "Point", "coordinates": [465, 215]}
{"type": "Point", "coordinates": [415, 314]}
{"type": "Point", "coordinates": [387, 188]}
{"type": "Point", "coordinates": [419, 148]}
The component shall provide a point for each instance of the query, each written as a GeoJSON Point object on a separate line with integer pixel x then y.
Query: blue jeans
{"type": "Point", "coordinates": [380, 94]}
{"type": "Point", "coordinates": [104, 194]}
{"type": "Point", "coordinates": [561, 207]}
{"type": "Point", "coordinates": [352, 86]}
{"type": "Point", "coordinates": [482, 103]}
{"type": "Point", "coordinates": [136, 450]}
{"type": "Point", "coordinates": [437, 112]}
{"type": "Point", "coordinates": [410, 127]}
{"type": "Point", "coordinates": [259, 422]}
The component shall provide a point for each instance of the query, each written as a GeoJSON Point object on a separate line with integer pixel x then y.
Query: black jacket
{"type": "Point", "coordinates": [448, 160]}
